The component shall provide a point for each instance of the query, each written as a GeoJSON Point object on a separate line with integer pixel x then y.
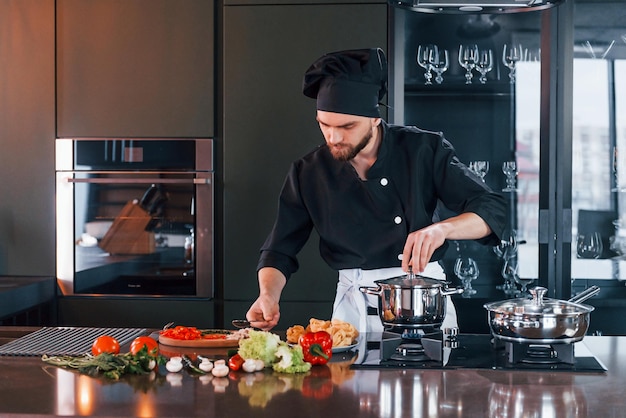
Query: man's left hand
{"type": "Point", "coordinates": [420, 246]}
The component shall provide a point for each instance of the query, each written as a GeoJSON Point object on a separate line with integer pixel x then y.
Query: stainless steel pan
{"type": "Point", "coordinates": [541, 320]}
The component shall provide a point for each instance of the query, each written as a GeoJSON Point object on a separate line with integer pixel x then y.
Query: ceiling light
{"type": "Point", "coordinates": [474, 6]}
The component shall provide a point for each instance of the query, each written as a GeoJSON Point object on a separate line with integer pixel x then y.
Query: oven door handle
{"type": "Point", "coordinates": [195, 180]}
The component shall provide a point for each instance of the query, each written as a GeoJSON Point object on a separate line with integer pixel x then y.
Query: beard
{"type": "Point", "coordinates": [346, 152]}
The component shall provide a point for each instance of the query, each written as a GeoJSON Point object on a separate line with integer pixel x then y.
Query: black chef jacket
{"type": "Point", "coordinates": [364, 223]}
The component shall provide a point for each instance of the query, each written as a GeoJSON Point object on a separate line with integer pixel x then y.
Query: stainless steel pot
{"type": "Point", "coordinates": [541, 320]}
{"type": "Point", "coordinates": [411, 301]}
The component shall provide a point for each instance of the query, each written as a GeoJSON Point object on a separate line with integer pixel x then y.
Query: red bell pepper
{"type": "Point", "coordinates": [317, 347]}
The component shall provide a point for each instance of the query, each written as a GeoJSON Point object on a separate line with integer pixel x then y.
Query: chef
{"type": "Point", "coordinates": [372, 193]}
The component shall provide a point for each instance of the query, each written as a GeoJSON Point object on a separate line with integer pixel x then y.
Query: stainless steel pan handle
{"type": "Point", "coordinates": [586, 294]}
{"type": "Point", "coordinates": [377, 291]}
{"type": "Point", "coordinates": [452, 291]}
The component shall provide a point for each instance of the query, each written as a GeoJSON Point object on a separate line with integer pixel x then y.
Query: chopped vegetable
{"type": "Point", "coordinates": [291, 360]}
{"type": "Point", "coordinates": [180, 332]}
{"type": "Point", "coordinates": [261, 345]}
{"type": "Point", "coordinates": [317, 347]}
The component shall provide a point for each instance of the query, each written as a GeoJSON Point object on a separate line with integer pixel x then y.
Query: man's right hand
{"type": "Point", "coordinates": [264, 312]}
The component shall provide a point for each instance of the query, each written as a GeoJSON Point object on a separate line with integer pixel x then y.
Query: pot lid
{"type": "Point", "coordinates": [411, 281]}
{"type": "Point", "coordinates": [538, 305]}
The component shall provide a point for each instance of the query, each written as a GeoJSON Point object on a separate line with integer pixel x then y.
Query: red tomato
{"type": "Point", "coordinates": [105, 344]}
{"type": "Point", "coordinates": [139, 342]}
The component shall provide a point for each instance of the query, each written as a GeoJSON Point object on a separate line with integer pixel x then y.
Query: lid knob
{"type": "Point", "coordinates": [537, 293]}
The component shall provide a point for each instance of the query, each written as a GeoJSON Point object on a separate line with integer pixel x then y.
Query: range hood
{"type": "Point", "coordinates": [474, 6]}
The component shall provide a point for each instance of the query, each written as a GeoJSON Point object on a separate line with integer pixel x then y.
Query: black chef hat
{"type": "Point", "coordinates": [351, 82]}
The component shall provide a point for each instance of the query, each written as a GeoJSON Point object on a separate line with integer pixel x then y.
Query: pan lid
{"type": "Point", "coordinates": [411, 281]}
{"type": "Point", "coordinates": [538, 304]}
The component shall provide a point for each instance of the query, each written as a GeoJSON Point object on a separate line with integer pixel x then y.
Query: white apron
{"type": "Point", "coordinates": [351, 304]}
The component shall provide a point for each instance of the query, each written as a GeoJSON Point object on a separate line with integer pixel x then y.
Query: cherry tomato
{"type": "Point", "coordinates": [105, 344]}
{"type": "Point", "coordinates": [235, 362]}
{"type": "Point", "coordinates": [144, 341]}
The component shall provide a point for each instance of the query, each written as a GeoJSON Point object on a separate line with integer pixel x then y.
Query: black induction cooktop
{"type": "Point", "coordinates": [470, 351]}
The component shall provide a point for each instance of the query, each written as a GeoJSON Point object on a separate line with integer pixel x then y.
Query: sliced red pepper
{"type": "Point", "coordinates": [317, 347]}
{"type": "Point", "coordinates": [235, 362]}
{"type": "Point", "coordinates": [182, 333]}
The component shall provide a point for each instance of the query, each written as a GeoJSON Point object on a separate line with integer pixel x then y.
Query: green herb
{"type": "Point", "coordinates": [111, 366]}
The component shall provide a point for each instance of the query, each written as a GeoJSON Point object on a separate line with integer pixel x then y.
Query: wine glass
{"type": "Point", "coordinates": [425, 57]}
{"type": "Point", "coordinates": [484, 64]}
{"type": "Point", "coordinates": [589, 245]}
{"type": "Point", "coordinates": [592, 49]}
{"type": "Point", "coordinates": [511, 54]}
{"type": "Point", "coordinates": [509, 168]}
{"type": "Point", "coordinates": [507, 251]}
{"type": "Point", "coordinates": [511, 271]}
{"type": "Point", "coordinates": [440, 64]}
{"type": "Point", "coordinates": [468, 57]}
{"type": "Point", "coordinates": [524, 282]}
{"type": "Point", "coordinates": [617, 242]}
{"type": "Point", "coordinates": [480, 168]}
{"type": "Point", "coordinates": [466, 269]}
{"type": "Point", "coordinates": [618, 167]}
{"type": "Point", "coordinates": [507, 248]}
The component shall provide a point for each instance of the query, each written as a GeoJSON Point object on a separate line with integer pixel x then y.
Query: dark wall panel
{"type": "Point", "coordinates": [268, 122]}
{"type": "Point", "coordinates": [27, 137]}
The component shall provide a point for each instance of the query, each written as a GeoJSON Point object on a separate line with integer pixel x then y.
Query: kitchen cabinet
{"type": "Point", "coordinates": [26, 132]}
{"type": "Point", "coordinates": [268, 123]}
{"type": "Point", "coordinates": [139, 312]}
{"type": "Point", "coordinates": [27, 300]}
{"type": "Point", "coordinates": [141, 68]}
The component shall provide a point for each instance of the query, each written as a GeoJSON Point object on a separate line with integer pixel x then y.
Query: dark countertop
{"type": "Point", "coordinates": [30, 387]}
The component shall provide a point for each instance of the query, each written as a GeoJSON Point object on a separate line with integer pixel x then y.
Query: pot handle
{"type": "Point", "coordinates": [454, 291]}
{"type": "Point", "coordinates": [370, 290]}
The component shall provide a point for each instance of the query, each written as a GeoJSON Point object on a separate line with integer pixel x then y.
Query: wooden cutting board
{"type": "Point", "coordinates": [199, 343]}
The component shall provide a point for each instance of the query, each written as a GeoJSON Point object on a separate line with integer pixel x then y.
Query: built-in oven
{"type": "Point", "coordinates": [135, 216]}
